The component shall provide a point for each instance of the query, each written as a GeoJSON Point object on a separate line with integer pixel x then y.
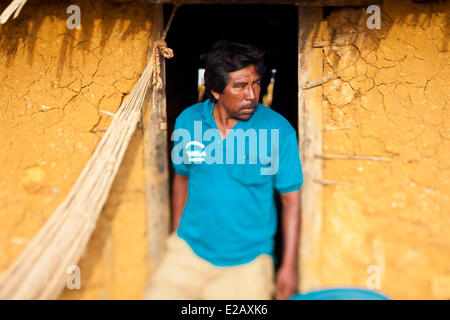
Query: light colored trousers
{"type": "Point", "coordinates": [182, 275]}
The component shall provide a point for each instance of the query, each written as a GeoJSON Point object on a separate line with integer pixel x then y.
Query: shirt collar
{"type": "Point", "coordinates": [207, 113]}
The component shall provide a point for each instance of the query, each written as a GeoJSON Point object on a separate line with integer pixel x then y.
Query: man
{"type": "Point", "coordinates": [224, 213]}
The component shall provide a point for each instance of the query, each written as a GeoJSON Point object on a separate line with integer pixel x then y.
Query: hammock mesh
{"type": "Point", "coordinates": [40, 272]}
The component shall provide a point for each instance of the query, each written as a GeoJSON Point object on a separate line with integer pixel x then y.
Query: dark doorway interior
{"type": "Point", "coordinates": [196, 28]}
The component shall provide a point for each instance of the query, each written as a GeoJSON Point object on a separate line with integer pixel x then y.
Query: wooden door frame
{"type": "Point", "coordinates": [310, 128]}
{"type": "Point", "coordinates": [156, 170]}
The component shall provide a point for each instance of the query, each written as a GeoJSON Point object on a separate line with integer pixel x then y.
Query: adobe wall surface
{"type": "Point", "coordinates": [390, 100]}
{"type": "Point", "coordinates": [55, 84]}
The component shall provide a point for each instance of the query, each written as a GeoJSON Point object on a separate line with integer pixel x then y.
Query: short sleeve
{"type": "Point", "coordinates": [289, 176]}
{"type": "Point", "coordinates": [178, 156]}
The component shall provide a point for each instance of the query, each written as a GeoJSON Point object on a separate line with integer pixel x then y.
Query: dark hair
{"type": "Point", "coordinates": [226, 57]}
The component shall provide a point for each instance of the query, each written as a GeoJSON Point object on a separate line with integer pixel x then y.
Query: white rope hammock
{"type": "Point", "coordinates": [40, 271]}
{"type": "Point", "coordinates": [15, 6]}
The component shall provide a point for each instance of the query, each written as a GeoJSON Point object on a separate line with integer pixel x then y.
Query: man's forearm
{"type": "Point", "coordinates": [287, 278]}
{"type": "Point", "coordinates": [291, 229]}
{"type": "Point", "coordinates": [179, 197]}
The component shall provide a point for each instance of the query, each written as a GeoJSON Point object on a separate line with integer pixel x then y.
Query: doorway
{"type": "Point", "coordinates": [273, 28]}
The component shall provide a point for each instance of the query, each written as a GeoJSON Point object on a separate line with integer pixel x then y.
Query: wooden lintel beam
{"type": "Point", "coordinates": [312, 3]}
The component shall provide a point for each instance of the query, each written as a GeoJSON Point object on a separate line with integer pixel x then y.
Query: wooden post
{"type": "Point", "coordinates": [155, 156]}
{"type": "Point", "coordinates": [310, 67]}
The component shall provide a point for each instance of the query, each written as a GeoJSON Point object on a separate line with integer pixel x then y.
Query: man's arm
{"type": "Point", "coordinates": [286, 281]}
{"type": "Point", "coordinates": [179, 197]}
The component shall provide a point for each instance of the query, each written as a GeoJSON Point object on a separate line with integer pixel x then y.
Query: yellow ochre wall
{"type": "Point", "coordinates": [390, 100]}
{"type": "Point", "coordinates": [54, 82]}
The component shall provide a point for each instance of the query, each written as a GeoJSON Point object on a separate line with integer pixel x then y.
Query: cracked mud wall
{"type": "Point", "coordinates": [57, 88]}
{"type": "Point", "coordinates": [391, 100]}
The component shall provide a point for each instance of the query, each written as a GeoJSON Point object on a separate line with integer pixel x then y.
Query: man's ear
{"type": "Point", "coordinates": [215, 95]}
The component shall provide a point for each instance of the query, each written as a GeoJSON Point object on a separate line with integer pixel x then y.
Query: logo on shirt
{"type": "Point", "coordinates": [195, 151]}
{"type": "Point", "coordinates": [249, 146]}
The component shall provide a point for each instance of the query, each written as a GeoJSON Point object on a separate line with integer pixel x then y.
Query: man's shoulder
{"type": "Point", "coordinates": [192, 112]}
{"type": "Point", "coordinates": [274, 120]}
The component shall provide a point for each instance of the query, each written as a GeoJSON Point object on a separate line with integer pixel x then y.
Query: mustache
{"type": "Point", "coordinates": [252, 105]}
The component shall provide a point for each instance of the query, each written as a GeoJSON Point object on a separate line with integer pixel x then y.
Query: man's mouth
{"type": "Point", "coordinates": [248, 110]}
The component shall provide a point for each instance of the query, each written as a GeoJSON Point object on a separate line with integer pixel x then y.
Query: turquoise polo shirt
{"type": "Point", "coordinates": [230, 215]}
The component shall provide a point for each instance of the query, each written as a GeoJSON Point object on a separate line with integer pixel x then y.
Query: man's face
{"type": "Point", "coordinates": [241, 95]}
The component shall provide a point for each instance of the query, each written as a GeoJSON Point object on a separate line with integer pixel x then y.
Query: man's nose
{"type": "Point", "coordinates": [251, 93]}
